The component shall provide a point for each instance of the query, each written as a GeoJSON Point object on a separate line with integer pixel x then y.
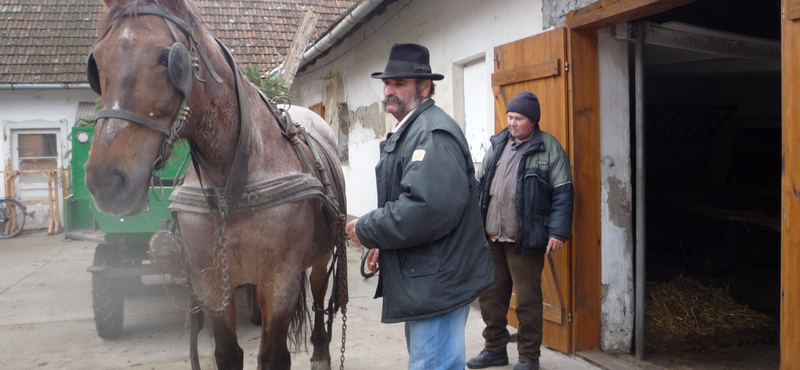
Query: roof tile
{"type": "Point", "coordinates": [46, 41]}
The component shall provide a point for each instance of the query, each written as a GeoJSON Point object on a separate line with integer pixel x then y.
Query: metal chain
{"type": "Point", "coordinates": [344, 336]}
{"type": "Point", "coordinates": [344, 294]}
{"type": "Point", "coordinates": [219, 244]}
{"type": "Point", "coordinates": [226, 279]}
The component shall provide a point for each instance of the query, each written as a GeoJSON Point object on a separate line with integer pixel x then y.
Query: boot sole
{"type": "Point", "coordinates": [483, 366]}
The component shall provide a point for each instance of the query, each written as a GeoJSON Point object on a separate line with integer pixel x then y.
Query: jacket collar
{"type": "Point", "coordinates": [537, 143]}
{"type": "Point", "coordinates": [389, 144]}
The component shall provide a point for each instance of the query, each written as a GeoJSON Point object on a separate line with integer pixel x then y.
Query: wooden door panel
{"type": "Point", "coordinates": [536, 64]}
{"type": "Point", "coordinates": [790, 183]}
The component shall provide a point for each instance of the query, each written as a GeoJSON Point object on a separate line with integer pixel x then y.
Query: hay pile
{"type": "Point", "coordinates": [684, 308]}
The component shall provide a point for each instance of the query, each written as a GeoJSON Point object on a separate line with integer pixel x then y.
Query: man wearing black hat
{"type": "Point", "coordinates": [526, 204]}
{"type": "Point", "coordinates": [433, 255]}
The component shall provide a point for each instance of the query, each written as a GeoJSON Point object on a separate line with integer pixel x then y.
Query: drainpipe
{"type": "Point", "coordinates": [356, 16]}
{"type": "Point", "coordinates": [44, 86]}
{"type": "Point", "coordinates": [640, 190]}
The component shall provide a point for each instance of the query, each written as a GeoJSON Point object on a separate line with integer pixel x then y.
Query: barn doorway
{"type": "Point", "coordinates": [713, 165]}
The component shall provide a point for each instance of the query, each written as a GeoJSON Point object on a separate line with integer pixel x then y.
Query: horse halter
{"type": "Point", "coordinates": [182, 67]}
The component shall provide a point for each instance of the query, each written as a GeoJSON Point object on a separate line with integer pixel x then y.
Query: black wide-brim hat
{"type": "Point", "coordinates": [408, 61]}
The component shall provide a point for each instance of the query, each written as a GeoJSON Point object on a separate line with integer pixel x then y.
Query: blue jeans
{"type": "Point", "coordinates": [437, 343]}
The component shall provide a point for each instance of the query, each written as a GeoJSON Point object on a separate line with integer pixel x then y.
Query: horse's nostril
{"type": "Point", "coordinates": [117, 180]}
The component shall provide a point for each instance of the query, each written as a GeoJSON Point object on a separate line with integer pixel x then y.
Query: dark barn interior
{"type": "Point", "coordinates": [713, 160]}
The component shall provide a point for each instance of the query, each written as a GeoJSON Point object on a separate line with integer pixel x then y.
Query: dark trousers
{"type": "Point", "coordinates": [524, 273]}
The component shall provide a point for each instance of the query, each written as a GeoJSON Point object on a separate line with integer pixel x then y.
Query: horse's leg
{"type": "Point", "coordinates": [196, 325]}
{"type": "Point", "coordinates": [279, 299]}
{"type": "Point", "coordinates": [227, 353]}
{"type": "Point", "coordinates": [321, 358]}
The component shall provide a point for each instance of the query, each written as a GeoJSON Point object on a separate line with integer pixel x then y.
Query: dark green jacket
{"type": "Point", "coordinates": [434, 257]}
{"type": "Point", "coordinates": [544, 193]}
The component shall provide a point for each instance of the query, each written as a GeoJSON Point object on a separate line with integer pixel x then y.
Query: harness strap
{"type": "Point", "coordinates": [133, 117]}
{"type": "Point", "coordinates": [188, 31]}
{"type": "Point", "coordinates": [265, 194]}
{"type": "Point", "coordinates": [238, 173]}
{"type": "Point", "coordinates": [296, 133]}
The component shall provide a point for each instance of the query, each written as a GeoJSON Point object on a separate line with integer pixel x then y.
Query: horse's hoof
{"type": "Point", "coordinates": [320, 366]}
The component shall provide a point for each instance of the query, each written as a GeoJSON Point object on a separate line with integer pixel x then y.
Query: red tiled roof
{"type": "Point", "coordinates": [46, 41]}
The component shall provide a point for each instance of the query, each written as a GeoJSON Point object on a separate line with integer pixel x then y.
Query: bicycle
{"type": "Point", "coordinates": [12, 217]}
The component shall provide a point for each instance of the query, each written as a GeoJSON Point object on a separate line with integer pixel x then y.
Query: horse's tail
{"type": "Point", "coordinates": [300, 317]}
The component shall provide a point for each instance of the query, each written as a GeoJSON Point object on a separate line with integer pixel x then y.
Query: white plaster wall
{"type": "Point", "coordinates": [617, 305]}
{"type": "Point", "coordinates": [33, 110]}
{"type": "Point", "coordinates": [453, 31]}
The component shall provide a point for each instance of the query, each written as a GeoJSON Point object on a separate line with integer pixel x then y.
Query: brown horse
{"type": "Point", "coordinates": [163, 76]}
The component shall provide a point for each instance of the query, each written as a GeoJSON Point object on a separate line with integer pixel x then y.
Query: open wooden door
{"type": "Point", "coordinates": [790, 186]}
{"type": "Point", "coordinates": [538, 64]}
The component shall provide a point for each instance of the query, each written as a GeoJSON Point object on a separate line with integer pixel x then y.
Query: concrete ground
{"type": "Point", "coordinates": [46, 319]}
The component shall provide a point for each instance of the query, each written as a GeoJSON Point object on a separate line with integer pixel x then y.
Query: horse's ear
{"type": "Point", "coordinates": [110, 3]}
{"type": "Point", "coordinates": [177, 7]}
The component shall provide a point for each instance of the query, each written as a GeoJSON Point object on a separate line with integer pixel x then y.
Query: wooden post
{"type": "Point", "coordinates": [790, 191]}
{"type": "Point", "coordinates": [55, 218]}
{"type": "Point", "coordinates": [301, 38]}
{"type": "Point", "coordinates": [50, 223]}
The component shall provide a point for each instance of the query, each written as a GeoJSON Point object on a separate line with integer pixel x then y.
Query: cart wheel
{"type": "Point", "coordinates": [252, 304]}
{"type": "Point", "coordinates": [709, 246]}
{"type": "Point", "coordinates": [107, 299]}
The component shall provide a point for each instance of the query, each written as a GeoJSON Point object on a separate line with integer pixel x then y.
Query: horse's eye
{"type": "Point", "coordinates": [163, 59]}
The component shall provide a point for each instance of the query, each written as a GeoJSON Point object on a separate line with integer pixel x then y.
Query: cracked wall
{"type": "Point", "coordinates": [617, 299]}
{"type": "Point", "coordinates": [555, 11]}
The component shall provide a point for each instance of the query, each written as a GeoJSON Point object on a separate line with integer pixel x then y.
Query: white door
{"type": "Point", "coordinates": [34, 149]}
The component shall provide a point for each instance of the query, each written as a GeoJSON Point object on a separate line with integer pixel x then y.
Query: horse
{"type": "Point", "coordinates": [263, 200]}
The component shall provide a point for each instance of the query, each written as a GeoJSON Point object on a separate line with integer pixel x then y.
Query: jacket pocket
{"type": "Point", "coordinates": [536, 206]}
{"type": "Point", "coordinates": [537, 196]}
{"type": "Point", "coordinates": [419, 261]}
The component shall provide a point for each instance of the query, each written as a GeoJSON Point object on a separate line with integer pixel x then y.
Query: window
{"type": "Point", "coordinates": [37, 151]}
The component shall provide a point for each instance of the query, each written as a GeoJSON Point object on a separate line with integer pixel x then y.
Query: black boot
{"type": "Point", "coordinates": [487, 358]}
{"type": "Point", "coordinates": [527, 365]}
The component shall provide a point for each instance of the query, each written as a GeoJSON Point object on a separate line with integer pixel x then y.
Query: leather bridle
{"type": "Point", "coordinates": [182, 60]}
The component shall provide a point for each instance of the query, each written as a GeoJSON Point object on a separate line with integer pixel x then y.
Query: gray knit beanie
{"type": "Point", "coordinates": [527, 105]}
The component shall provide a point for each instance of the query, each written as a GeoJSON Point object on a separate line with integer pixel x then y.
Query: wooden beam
{"type": "Point", "coordinates": [301, 39]}
{"type": "Point", "coordinates": [609, 12]}
{"type": "Point", "coordinates": [549, 68]}
{"type": "Point", "coordinates": [715, 43]}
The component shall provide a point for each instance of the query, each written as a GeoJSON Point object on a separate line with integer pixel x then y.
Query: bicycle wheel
{"type": "Point", "coordinates": [12, 218]}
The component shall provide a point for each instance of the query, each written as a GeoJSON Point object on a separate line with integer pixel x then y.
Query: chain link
{"type": "Point", "coordinates": [219, 245]}
{"type": "Point", "coordinates": [344, 336]}
{"type": "Point", "coordinates": [344, 294]}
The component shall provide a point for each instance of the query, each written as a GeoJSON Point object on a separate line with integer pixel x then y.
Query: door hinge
{"type": "Point", "coordinates": [566, 66]}
{"type": "Point", "coordinates": [783, 13]}
{"type": "Point", "coordinates": [497, 58]}
{"type": "Point", "coordinates": [569, 317]}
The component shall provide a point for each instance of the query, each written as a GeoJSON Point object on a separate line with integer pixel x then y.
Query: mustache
{"type": "Point", "coordinates": [391, 99]}
{"type": "Point", "coordinates": [394, 99]}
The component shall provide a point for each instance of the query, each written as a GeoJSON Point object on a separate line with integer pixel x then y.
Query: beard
{"type": "Point", "coordinates": [402, 106]}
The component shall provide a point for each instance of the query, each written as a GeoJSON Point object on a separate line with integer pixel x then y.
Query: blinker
{"type": "Point", "coordinates": [92, 74]}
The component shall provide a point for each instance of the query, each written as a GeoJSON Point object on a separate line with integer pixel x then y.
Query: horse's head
{"type": "Point", "coordinates": [142, 67]}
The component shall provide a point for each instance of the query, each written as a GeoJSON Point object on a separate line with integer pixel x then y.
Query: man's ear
{"type": "Point", "coordinates": [426, 88]}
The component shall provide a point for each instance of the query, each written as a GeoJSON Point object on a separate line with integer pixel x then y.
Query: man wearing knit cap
{"type": "Point", "coordinates": [526, 203]}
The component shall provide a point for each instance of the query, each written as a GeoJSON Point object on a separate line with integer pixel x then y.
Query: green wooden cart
{"type": "Point", "coordinates": [121, 254]}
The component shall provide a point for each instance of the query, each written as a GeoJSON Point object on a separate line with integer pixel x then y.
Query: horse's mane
{"type": "Point", "coordinates": [187, 7]}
